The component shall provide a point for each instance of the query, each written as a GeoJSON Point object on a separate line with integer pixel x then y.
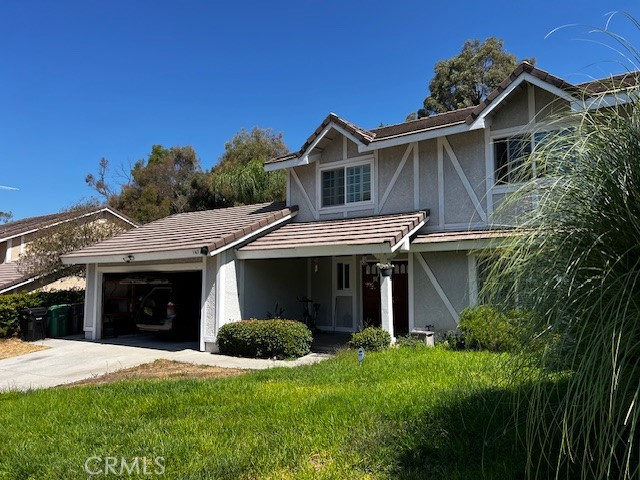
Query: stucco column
{"type": "Point", "coordinates": [386, 305]}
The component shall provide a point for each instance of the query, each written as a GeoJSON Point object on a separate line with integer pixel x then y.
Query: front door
{"type": "Point", "coordinates": [400, 292]}
{"type": "Point", "coordinates": [344, 294]}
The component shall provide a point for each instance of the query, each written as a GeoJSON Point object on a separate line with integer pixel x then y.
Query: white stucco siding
{"type": "Point", "coordinates": [267, 282]}
{"type": "Point", "coordinates": [208, 327]}
{"type": "Point", "coordinates": [90, 304]}
{"type": "Point", "coordinates": [231, 288]}
{"type": "Point", "coordinates": [451, 274]}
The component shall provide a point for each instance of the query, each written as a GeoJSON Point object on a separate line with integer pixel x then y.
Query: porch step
{"type": "Point", "coordinates": [329, 342]}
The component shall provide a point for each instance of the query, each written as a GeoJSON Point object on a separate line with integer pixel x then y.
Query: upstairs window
{"type": "Point", "coordinates": [346, 185]}
{"type": "Point", "coordinates": [511, 157]}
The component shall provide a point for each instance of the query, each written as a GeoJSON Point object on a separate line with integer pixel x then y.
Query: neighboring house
{"type": "Point", "coordinates": [420, 196]}
{"type": "Point", "coordinates": [15, 238]}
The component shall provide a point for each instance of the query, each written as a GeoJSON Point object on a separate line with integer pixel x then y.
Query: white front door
{"type": "Point", "coordinates": [344, 298]}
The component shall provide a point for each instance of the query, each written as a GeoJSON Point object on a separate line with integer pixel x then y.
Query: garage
{"type": "Point", "coordinates": [167, 304]}
{"type": "Point", "coordinates": [175, 278]}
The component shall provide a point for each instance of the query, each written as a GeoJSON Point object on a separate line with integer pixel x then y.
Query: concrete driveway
{"type": "Point", "coordinates": [71, 359]}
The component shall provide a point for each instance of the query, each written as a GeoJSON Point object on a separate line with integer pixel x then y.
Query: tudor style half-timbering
{"type": "Point", "coordinates": [420, 197]}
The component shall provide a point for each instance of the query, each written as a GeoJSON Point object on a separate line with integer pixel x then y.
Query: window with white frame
{"type": "Point", "coordinates": [346, 185]}
{"type": "Point", "coordinates": [511, 157]}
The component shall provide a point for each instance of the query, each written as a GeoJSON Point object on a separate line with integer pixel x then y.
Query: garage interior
{"type": "Point", "coordinates": [126, 298]}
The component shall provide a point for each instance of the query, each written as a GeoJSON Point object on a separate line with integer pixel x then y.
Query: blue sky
{"type": "Point", "coordinates": [81, 80]}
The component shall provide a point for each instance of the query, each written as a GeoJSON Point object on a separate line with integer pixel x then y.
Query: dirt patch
{"type": "Point", "coordinates": [164, 369]}
{"type": "Point", "coordinates": [12, 347]}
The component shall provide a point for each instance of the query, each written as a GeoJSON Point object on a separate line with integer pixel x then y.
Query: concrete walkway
{"type": "Point", "coordinates": [71, 359]}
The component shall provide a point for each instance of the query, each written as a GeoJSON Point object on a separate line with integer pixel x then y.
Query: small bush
{"type": "Point", "coordinates": [12, 303]}
{"type": "Point", "coordinates": [371, 338]}
{"type": "Point", "coordinates": [410, 341]}
{"type": "Point", "coordinates": [487, 328]}
{"type": "Point", "coordinates": [451, 340]}
{"type": "Point", "coordinates": [265, 339]}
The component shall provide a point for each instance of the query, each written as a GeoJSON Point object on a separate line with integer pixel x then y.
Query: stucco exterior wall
{"type": "Point", "coordinates": [208, 315]}
{"type": "Point", "coordinates": [451, 271]}
{"type": "Point", "coordinates": [548, 106]}
{"type": "Point", "coordinates": [400, 198]}
{"type": "Point", "coordinates": [333, 151]}
{"type": "Point", "coordinates": [469, 152]}
{"type": "Point", "coordinates": [514, 111]}
{"type": "Point", "coordinates": [428, 186]}
{"type": "Point", "coordinates": [321, 290]}
{"type": "Point", "coordinates": [90, 312]}
{"type": "Point", "coordinates": [307, 176]}
{"type": "Point", "coordinates": [267, 282]}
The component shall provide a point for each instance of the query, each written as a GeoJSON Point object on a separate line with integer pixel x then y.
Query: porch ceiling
{"type": "Point", "coordinates": [381, 234]}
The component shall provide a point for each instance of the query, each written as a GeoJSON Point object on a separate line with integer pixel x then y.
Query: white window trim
{"type": "Point", "coordinates": [366, 160]}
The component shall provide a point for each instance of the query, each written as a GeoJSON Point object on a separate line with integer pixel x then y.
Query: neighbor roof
{"type": "Point", "coordinates": [10, 276]}
{"type": "Point", "coordinates": [186, 235]}
{"type": "Point", "coordinates": [375, 234]}
{"type": "Point", "coordinates": [28, 225]}
{"type": "Point", "coordinates": [465, 115]}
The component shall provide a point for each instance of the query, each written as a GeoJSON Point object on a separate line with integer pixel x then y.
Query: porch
{"type": "Point", "coordinates": [327, 273]}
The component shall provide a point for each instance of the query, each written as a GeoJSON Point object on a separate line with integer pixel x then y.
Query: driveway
{"type": "Point", "coordinates": [71, 359]}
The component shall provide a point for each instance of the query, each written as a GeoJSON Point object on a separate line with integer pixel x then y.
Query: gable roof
{"type": "Point", "coordinates": [186, 235]}
{"type": "Point", "coordinates": [457, 120]}
{"type": "Point", "coordinates": [28, 225]}
{"type": "Point", "coordinates": [382, 234]}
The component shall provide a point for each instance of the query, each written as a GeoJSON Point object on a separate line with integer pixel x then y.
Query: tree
{"type": "Point", "coordinates": [576, 265]}
{"type": "Point", "coordinates": [466, 79]}
{"type": "Point", "coordinates": [5, 217]}
{"type": "Point", "coordinates": [240, 176]}
{"type": "Point", "coordinates": [159, 186]}
{"type": "Point", "coordinates": [42, 255]}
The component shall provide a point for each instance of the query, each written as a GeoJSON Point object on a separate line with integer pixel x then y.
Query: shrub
{"type": "Point", "coordinates": [451, 340]}
{"type": "Point", "coordinates": [410, 341]}
{"type": "Point", "coordinates": [371, 338]}
{"type": "Point", "coordinates": [12, 303]}
{"type": "Point", "coordinates": [265, 339]}
{"type": "Point", "coordinates": [487, 328]}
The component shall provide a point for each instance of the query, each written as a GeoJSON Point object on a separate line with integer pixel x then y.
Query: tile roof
{"type": "Point", "coordinates": [441, 237]}
{"type": "Point", "coordinates": [10, 276]}
{"type": "Point", "coordinates": [469, 114]}
{"type": "Point", "coordinates": [385, 231]}
{"type": "Point", "coordinates": [185, 232]}
{"type": "Point", "coordinates": [27, 225]}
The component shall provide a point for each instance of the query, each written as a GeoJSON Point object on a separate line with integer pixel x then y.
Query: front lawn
{"type": "Point", "coordinates": [425, 413]}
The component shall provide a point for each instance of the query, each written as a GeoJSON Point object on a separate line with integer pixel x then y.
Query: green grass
{"type": "Point", "coordinates": [407, 413]}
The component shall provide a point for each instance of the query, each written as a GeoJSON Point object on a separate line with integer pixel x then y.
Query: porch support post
{"type": "Point", "coordinates": [386, 305]}
{"type": "Point", "coordinates": [386, 299]}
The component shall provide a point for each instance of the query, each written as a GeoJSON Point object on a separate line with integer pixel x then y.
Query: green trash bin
{"type": "Point", "coordinates": [57, 320]}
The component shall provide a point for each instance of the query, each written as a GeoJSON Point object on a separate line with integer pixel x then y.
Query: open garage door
{"type": "Point", "coordinates": [166, 304]}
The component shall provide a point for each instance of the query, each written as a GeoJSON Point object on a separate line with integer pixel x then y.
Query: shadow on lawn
{"type": "Point", "coordinates": [469, 435]}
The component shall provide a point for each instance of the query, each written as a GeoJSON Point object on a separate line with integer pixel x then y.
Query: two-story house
{"type": "Point", "coordinates": [16, 236]}
{"type": "Point", "coordinates": [419, 196]}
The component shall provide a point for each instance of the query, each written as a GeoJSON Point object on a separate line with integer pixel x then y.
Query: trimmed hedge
{"type": "Point", "coordinates": [10, 304]}
{"type": "Point", "coordinates": [487, 328]}
{"type": "Point", "coordinates": [265, 339]}
{"type": "Point", "coordinates": [373, 339]}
